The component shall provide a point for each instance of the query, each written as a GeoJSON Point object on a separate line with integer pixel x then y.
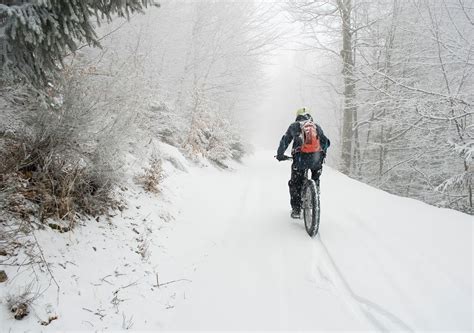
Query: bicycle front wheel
{"type": "Point", "coordinates": [311, 207]}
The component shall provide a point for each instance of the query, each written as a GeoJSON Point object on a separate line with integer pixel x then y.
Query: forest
{"type": "Point", "coordinates": [396, 76]}
{"type": "Point", "coordinates": [106, 101]}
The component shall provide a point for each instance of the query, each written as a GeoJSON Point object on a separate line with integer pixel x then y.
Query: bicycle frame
{"type": "Point", "coordinates": [311, 204]}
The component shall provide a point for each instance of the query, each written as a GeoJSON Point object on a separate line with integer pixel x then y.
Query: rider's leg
{"type": "Point", "coordinates": [315, 174]}
{"type": "Point", "coordinates": [295, 184]}
{"type": "Point", "coordinates": [318, 169]}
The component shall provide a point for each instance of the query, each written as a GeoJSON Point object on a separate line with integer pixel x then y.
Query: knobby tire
{"type": "Point", "coordinates": [311, 207]}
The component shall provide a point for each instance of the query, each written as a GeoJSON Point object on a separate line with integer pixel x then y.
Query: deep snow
{"type": "Point", "coordinates": [236, 260]}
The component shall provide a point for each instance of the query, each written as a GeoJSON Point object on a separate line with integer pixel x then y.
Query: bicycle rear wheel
{"type": "Point", "coordinates": [311, 207]}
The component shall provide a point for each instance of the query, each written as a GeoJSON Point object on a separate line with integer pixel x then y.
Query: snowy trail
{"type": "Point", "coordinates": [259, 271]}
{"type": "Point", "coordinates": [380, 262]}
{"type": "Point", "coordinates": [218, 250]}
{"type": "Point", "coordinates": [374, 313]}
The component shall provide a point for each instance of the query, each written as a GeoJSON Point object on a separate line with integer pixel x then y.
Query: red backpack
{"type": "Point", "coordinates": [310, 138]}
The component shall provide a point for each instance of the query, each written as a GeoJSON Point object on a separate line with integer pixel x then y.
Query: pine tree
{"type": "Point", "coordinates": [35, 35]}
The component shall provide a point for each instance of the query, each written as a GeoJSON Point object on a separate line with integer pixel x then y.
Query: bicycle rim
{"type": "Point", "coordinates": [311, 209]}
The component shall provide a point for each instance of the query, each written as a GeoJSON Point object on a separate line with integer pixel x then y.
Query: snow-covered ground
{"type": "Point", "coordinates": [217, 250]}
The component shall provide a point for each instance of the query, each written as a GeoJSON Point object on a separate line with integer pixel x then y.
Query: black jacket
{"type": "Point", "coordinates": [303, 160]}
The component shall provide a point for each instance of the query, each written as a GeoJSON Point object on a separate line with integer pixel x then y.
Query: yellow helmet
{"type": "Point", "coordinates": [302, 111]}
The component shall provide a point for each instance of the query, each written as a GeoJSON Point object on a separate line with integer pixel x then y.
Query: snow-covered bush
{"type": "Point", "coordinates": [210, 134]}
{"type": "Point", "coordinates": [62, 131]}
{"type": "Point", "coordinates": [63, 154]}
{"type": "Point", "coordinates": [152, 175]}
{"type": "Point", "coordinates": [201, 131]}
{"type": "Point", "coordinates": [164, 123]}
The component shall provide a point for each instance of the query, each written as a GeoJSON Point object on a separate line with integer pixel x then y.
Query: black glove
{"type": "Point", "coordinates": [280, 158]}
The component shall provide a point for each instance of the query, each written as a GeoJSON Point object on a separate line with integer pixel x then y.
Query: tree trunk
{"type": "Point", "coordinates": [345, 9]}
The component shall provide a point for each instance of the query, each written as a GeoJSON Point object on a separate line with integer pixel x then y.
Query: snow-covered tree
{"type": "Point", "coordinates": [164, 59]}
{"type": "Point", "coordinates": [36, 35]}
{"type": "Point", "coordinates": [417, 85]}
{"type": "Point", "coordinates": [413, 101]}
{"type": "Point", "coordinates": [335, 18]}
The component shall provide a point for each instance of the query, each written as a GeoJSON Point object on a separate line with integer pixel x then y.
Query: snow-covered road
{"type": "Point", "coordinates": [218, 250]}
{"type": "Point", "coordinates": [380, 262]}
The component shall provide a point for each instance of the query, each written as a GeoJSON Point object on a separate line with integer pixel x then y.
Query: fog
{"type": "Point", "coordinates": [288, 87]}
{"type": "Point", "coordinates": [279, 102]}
{"type": "Point", "coordinates": [390, 82]}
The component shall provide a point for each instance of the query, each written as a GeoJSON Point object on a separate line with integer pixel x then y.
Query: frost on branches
{"type": "Point", "coordinates": [35, 35]}
{"type": "Point", "coordinates": [210, 134]}
{"type": "Point", "coordinates": [187, 86]}
{"type": "Point", "coordinates": [400, 77]}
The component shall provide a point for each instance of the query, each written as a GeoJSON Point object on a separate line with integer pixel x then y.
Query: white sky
{"type": "Point", "coordinates": [281, 100]}
{"type": "Point", "coordinates": [288, 88]}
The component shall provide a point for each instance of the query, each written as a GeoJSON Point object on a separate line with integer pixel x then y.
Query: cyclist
{"type": "Point", "coordinates": [309, 150]}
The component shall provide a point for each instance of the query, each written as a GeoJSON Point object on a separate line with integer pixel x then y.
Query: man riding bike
{"type": "Point", "coordinates": [309, 150]}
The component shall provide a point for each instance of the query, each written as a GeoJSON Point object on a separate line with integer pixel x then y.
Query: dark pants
{"type": "Point", "coordinates": [296, 184]}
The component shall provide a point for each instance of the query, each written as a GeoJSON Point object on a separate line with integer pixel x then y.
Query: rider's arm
{"type": "Point", "coordinates": [285, 142]}
{"type": "Point", "coordinates": [324, 140]}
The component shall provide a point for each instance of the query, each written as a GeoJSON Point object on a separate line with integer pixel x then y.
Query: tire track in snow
{"type": "Point", "coordinates": [362, 307]}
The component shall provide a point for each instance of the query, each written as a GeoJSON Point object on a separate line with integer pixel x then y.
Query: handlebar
{"type": "Point", "coordinates": [285, 157]}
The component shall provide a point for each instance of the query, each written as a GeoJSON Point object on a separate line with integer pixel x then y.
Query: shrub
{"type": "Point", "coordinates": [61, 153]}
{"type": "Point", "coordinates": [152, 176]}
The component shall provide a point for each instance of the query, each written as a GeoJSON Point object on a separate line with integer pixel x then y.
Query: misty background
{"type": "Point", "coordinates": [390, 82]}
